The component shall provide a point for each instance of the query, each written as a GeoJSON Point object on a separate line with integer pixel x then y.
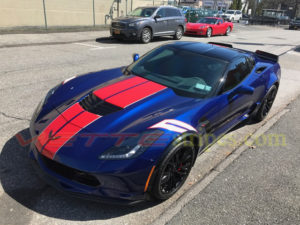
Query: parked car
{"type": "Point", "coordinates": [209, 26]}
{"type": "Point", "coordinates": [184, 9]}
{"type": "Point", "coordinates": [124, 134]}
{"type": "Point", "coordinates": [294, 24]}
{"type": "Point", "coordinates": [233, 15]}
{"type": "Point", "coordinates": [144, 23]}
{"type": "Point", "coordinates": [219, 13]}
{"type": "Point", "coordinates": [245, 16]}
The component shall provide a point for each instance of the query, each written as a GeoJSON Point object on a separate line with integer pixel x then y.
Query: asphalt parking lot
{"type": "Point", "coordinates": [32, 64]}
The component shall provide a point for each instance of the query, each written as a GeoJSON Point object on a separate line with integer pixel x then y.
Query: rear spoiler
{"type": "Point", "coordinates": [267, 56]}
{"type": "Point", "coordinates": [259, 53]}
{"type": "Point", "coordinates": [221, 44]}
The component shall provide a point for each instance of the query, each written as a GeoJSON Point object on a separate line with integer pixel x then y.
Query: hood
{"type": "Point", "coordinates": [123, 105]}
{"type": "Point", "coordinates": [129, 19]}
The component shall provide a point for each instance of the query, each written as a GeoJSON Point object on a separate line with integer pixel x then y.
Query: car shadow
{"type": "Point", "coordinates": [20, 182]}
{"type": "Point", "coordinates": [112, 40]}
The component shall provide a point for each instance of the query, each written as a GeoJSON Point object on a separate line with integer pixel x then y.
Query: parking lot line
{"type": "Point", "coordinates": [94, 47]}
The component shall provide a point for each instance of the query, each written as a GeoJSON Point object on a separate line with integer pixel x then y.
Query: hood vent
{"type": "Point", "coordinates": [93, 104]}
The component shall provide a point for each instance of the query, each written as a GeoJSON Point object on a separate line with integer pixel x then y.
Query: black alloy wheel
{"type": "Point", "coordinates": [174, 170]}
{"type": "Point", "coordinates": [266, 105]}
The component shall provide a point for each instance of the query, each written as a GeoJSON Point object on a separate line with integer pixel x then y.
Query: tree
{"type": "Point", "coordinates": [239, 4]}
{"type": "Point", "coordinates": [233, 5]}
{"type": "Point", "coordinates": [236, 4]}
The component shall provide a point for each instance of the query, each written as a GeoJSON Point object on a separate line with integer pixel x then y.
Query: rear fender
{"type": "Point", "coordinates": [274, 78]}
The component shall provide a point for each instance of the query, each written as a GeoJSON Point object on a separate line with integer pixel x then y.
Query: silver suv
{"type": "Point", "coordinates": [144, 23]}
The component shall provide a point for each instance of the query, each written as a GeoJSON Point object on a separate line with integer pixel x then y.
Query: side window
{"type": "Point", "coordinates": [169, 12]}
{"type": "Point", "coordinates": [220, 21]}
{"type": "Point", "coordinates": [162, 13]}
{"type": "Point", "coordinates": [239, 12]}
{"type": "Point", "coordinates": [236, 74]}
{"type": "Point", "coordinates": [177, 12]}
{"type": "Point", "coordinates": [172, 12]}
{"type": "Point", "coordinates": [251, 62]}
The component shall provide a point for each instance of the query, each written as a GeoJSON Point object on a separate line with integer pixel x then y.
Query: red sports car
{"type": "Point", "coordinates": [209, 26]}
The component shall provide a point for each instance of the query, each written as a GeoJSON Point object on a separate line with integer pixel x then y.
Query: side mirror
{"type": "Point", "coordinates": [157, 16]}
{"type": "Point", "coordinates": [135, 57]}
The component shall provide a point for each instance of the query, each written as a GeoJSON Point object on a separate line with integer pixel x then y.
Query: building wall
{"type": "Point", "coordinates": [21, 13]}
{"type": "Point", "coordinates": [65, 13]}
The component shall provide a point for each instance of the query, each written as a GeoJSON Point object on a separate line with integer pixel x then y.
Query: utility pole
{"type": "Point", "coordinates": [94, 18]}
{"type": "Point", "coordinates": [45, 15]}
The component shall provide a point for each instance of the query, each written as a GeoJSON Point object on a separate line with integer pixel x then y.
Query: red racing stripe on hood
{"type": "Point", "coordinates": [118, 87]}
{"type": "Point", "coordinates": [67, 132]}
{"type": "Point", "coordinates": [56, 124]}
{"type": "Point", "coordinates": [135, 94]}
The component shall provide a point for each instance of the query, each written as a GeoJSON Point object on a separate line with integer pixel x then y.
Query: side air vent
{"type": "Point", "coordinates": [93, 104]}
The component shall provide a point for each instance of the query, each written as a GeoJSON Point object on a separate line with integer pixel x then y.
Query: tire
{"type": "Point", "coordinates": [266, 104]}
{"type": "Point", "coordinates": [173, 170]}
{"type": "Point", "coordinates": [178, 33]}
{"type": "Point", "coordinates": [208, 32]}
{"type": "Point", "coordinates": [228, 30]}
{"type": "Point", "coordinates": [146, 35]}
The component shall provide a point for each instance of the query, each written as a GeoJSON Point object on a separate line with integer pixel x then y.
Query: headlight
{"type": "Point", "coordinates": [50, 92]}
{"type": "Point", "coordinates": [44, 100]}
{"type": "Point", "coordinates": [202, 27]}
{"type": "Point", "coordinates": [132, 146]}
{"type": "Point", "coordinates": [134, 24]}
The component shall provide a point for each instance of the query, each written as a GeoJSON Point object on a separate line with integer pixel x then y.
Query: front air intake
{"type": "Point", "coordinates": [93, 104]}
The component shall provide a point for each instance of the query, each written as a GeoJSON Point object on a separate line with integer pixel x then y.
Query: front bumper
{"type": "Point", "coordinates": [294, 26]}
{"type": "Point", "coordinates": [83, 189]}
{"type": "Point", "coordinates": [195, 32]}
{"type": "Point", "coordinates": [125, 33]}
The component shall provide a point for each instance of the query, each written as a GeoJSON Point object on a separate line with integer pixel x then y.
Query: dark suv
{"type": "Point", "coordinates": [144, 23]}
{"type": "Point", "coordinates": [294, 24]}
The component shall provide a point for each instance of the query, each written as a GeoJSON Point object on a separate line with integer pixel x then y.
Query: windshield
{"type": "Point", "coordinates": [142, 12]}
{"type": "Point", "coordinates": [229, 12]}
{"type": "Point", "coordinates": [207, 20]}
{"type": "Point", "coordinates": [189, 73]}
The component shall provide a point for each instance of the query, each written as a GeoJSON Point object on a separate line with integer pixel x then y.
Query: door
{"type": "Point", "coordinates": [174, 17]}
{"type": "Point", "coordinates": [161, 22]}
{"type": "Point", "coordinates": [220, 27]}
{"type": "Point", "coordinates": [238, 102]}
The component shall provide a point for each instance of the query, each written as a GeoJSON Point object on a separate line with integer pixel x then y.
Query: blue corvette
{"type": "Point", "coordinates": [133, 133]}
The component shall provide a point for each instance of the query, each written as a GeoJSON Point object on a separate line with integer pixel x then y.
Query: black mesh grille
{"type": "Point", "coordinates": [118, 25]}
{"type": "Point", "coordinates": [93, 104]}
{"type": "Point", "coordinates": [70, 173]}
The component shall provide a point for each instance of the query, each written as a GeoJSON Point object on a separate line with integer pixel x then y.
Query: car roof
{"type": "Point", "coordinates": [211, 17]}
{"type": "Point", "coordinates": [147, 7]}
{"type": "Point", "coordinates": [210, 50]}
